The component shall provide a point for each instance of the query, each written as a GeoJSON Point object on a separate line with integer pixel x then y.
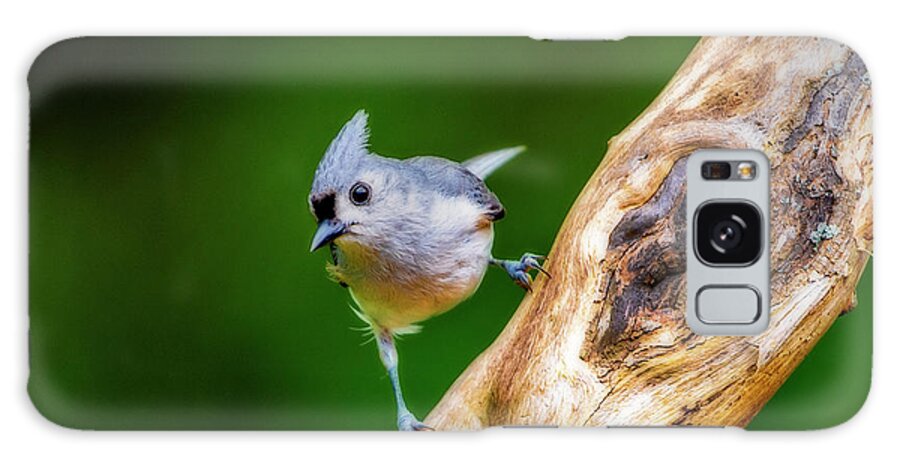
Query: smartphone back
{"type": "Point", "coordinates": [175, 186]}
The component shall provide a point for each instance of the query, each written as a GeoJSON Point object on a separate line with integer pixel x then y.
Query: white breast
{"type": "Point", "coordinates": [438, 268]}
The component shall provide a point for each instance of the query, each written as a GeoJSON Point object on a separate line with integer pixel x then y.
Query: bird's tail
{"type": "Point", "coordinates": [483, 165]}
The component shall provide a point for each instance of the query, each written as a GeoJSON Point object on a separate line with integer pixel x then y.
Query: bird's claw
{"type": "Point", "coordinates": [533, 261]}
{"type": "Point", "coordinates": [518, 270]}
{"type": "Point", "coordinates": [408, 423]}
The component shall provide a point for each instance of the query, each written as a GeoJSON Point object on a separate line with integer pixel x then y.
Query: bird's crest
{"type": "Point", "coordinates": [345, 151]}
{"type": "Point", "coordinates": [352, 141]}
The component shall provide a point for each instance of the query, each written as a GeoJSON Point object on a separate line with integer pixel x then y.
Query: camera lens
{"type": "Point", "coordinates": [728, 233]}
{"type": "Point", "coordinates": [716, 170]}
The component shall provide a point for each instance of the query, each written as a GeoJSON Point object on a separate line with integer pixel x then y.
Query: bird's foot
{"type": "Point", "coordinates": [518, 270]}
{"type": "Point", "coordinates": [407, 422]}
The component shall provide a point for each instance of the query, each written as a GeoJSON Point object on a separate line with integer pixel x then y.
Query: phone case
{"type": "Point", "coordinates": [176, 186]}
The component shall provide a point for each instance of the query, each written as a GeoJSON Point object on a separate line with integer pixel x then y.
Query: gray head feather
{"type": "Point", "coordinates": [393, 182]}
{"type": "Point", "coordinates": [344, 154]}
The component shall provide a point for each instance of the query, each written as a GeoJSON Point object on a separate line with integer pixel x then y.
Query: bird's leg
{"type": "Point", "coordinates": [388, 353]}
{"type": "Point", "coordinates": [518, 270]}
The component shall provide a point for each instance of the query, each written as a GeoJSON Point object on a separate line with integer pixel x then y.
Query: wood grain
{"type": "Point", "coordinates": [605, 341]}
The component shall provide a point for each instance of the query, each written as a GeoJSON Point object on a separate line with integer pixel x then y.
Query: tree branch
{"type": "Point", "coordinates": [605, 341]}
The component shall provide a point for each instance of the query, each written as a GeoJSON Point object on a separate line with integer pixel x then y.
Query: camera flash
{"type": "Point", "coordinates": [746, 170]}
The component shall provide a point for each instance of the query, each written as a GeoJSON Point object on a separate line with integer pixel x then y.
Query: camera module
{"type": "Point", "coordinates": [728, 233]}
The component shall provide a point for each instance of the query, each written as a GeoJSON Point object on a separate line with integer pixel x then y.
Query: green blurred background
{"type": "Point", "coordinates": [170, 282]}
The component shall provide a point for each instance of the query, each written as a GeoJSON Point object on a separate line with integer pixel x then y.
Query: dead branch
{"type": "Point", "coordinates": [605, 341]}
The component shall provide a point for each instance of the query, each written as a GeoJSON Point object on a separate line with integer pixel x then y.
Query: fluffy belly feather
{"type": "Point", "coordinates": [396, 293]}
{"type": "Point", "coordinates": [394, 306]}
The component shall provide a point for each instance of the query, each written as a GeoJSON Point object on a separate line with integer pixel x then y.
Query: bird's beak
{"type": "Point", "coordinates": [328, 230]}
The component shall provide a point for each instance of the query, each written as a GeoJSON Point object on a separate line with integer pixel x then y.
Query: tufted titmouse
{"type": "Point", "coordinates": [410, 238]}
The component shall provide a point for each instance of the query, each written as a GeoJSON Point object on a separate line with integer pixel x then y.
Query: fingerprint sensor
{"type": "Point", "coordinates": [724, 304]}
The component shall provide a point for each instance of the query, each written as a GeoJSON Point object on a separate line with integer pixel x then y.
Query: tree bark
{"type": "Point", "coordinates": [605, 341]}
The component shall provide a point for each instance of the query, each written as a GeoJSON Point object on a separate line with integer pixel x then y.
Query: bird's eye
{"type": "Point", "coordinates": [360, 193]}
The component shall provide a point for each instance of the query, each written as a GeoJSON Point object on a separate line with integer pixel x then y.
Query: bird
{"type": "Point", "coordinates": [409, 238]}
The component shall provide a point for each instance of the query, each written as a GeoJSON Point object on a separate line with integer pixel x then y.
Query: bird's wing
{"type": "Point", "coordinates": [450, 178]}
{"type": "Point", "coordinates": [483, 165]}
